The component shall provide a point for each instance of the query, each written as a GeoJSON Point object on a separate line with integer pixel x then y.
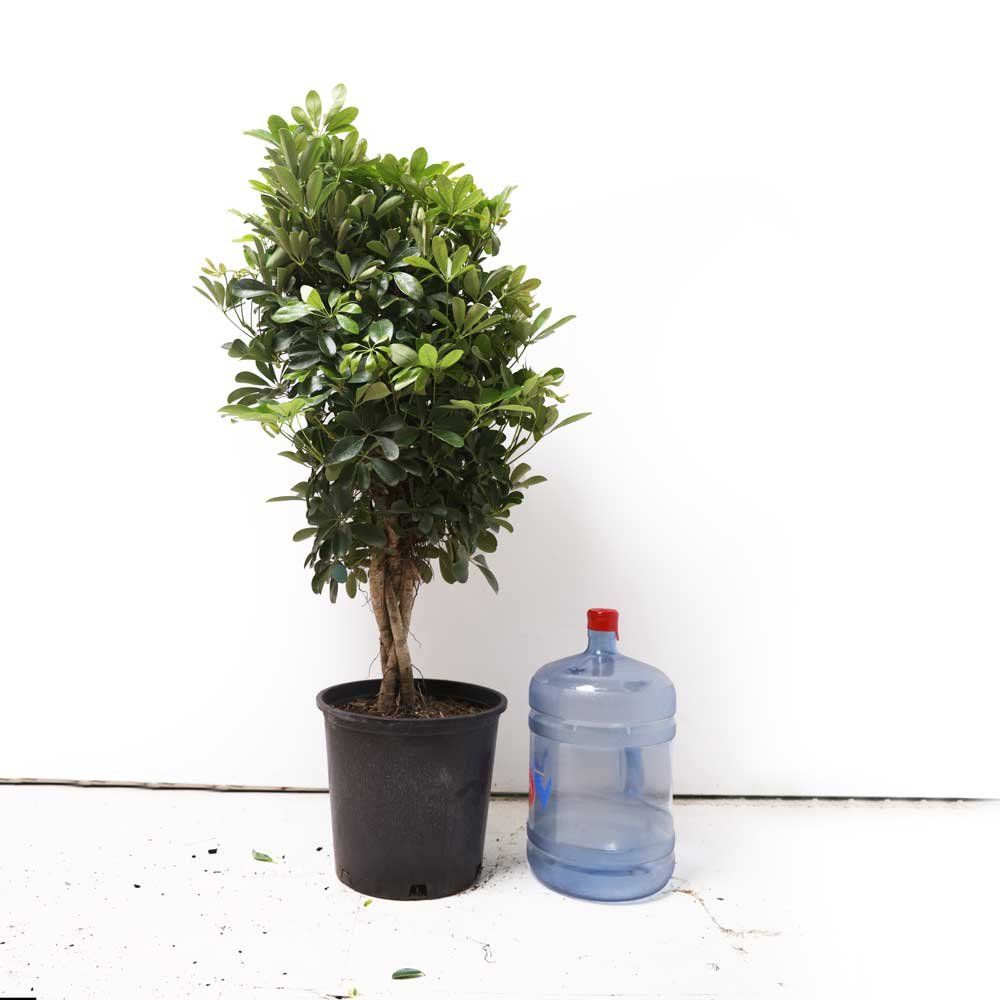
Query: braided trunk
{"type": "Point", "coordinates": [393, 584]}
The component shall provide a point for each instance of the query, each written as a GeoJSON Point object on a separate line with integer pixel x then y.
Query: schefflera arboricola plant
{"type": "Point", "coordinates": [389, 355]}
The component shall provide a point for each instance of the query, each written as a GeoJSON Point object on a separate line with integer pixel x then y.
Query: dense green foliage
{"type": "Point", "coordinates": [385, 351]}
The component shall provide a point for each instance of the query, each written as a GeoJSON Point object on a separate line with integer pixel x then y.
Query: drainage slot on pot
{"type": "Point", "coordinates": [418, 891]}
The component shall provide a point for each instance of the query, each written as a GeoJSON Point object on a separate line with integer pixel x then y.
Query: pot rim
{"type": "Point", "coordinates": [494, 704]}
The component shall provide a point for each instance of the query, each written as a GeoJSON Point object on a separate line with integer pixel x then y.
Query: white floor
{"type": "Point", "coordinates": [115, 893]}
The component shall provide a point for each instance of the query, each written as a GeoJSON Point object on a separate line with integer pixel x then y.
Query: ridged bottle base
{"type": "Point", "coordinates": [605, 884]}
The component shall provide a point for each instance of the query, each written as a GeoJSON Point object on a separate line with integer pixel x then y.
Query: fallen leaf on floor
{"type": "Point", "coordinates": [257, 856]}
{"type": "Point", "coordinates": [367, 902]}
{"type": "Point", "coordinates": [407, 974]}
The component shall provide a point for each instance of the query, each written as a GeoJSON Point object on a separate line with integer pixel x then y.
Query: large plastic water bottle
{"type": "Point", "coordinates": [599, 823]}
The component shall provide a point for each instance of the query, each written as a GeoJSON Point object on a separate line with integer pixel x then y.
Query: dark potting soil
{"type": "Point", "coordinates": [428, 707]}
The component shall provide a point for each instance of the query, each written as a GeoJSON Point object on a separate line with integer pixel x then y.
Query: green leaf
{"type": "Point", "coordinates": [249, 378]}
{"type": "Point", "coordinates": [248, 413]}
{"type": "Point", "coordinates": [346, 448]}
{"type": "Point", "coordinates": [259, 856]}
{"type": "Point", "coordinates": [487, 573]}
{"type": "Point", "coordinates": [314, 106]}
{"type": "Point", "coordinates": [363, 477]}
{"type": "Point", "coordinates": [414, 260]}
{"type": "Point", "coordinates": [407, 974]}
{"type": "Point", "coordinates": [380, 330]}
{"type": "Point", "coordinates": [406, 377]}
{"type": "Point", "coordinates": [259, 133]}
{"type": "Point", "coordinates": [532, 481]}
{"type": "Point", "coordinates": [389, 447]}
{"type": "Point", "coordinates": [338, 572]}
{"type": "Point", "coordinates": [314, 189]}
{"type": "Point", "coordinates": [377, 390]}
{"type": "Point", "coordinates": [402, 355]}
{"type": "Point", "coordinates": [311, 297]}
{"type": "Point", "coordinates": [444, 564]}
{"type": "Point", "coordinates": [367, 902]}
{"type": "Point", "coordinates": [408, 285]}
{"type": "Point", "coordinates": [338, 96]}
{"type": "Point", "coordinates": [250, 288]}
{"type": "Point", "coordinates": [440, 251]}
{"type": "Point", "coordinates": [483, 346]}
{"type": "Point", "coordinates": [341, 121]}
{"type": "Point", "coordinates": [449, 437]}
{"type": "Point", "coordinates": [368, 534]}
{"type": "Point", "coordinates": [289, 183]}
{"type": "Point", "coordinates": [571, 420]}
{"type": "Point", "coordinates": [450, 358]}
{"type": "Point", "coordinates": [389, 473]}
{"type": "Point", "coordinates": [388, 205]}
{"type": "Point", "coordinates": [319, 579]}
{"type": "Point", "coordinates": [341, 539]}
{"type": "Point", "coordinates": [348, 324]}
{"type": "Point", "coordinates": [549, 330]}
{"type": "Point", "coordinates": [487, 541]}
{"type": "Point", "coordinates": [279, 499]}
{"type": "Point", "coordinates": [428, 355]}
{"type": "Point", "coordinates": [291, 312]}
{"type": "Point", "coordinates": [302, 534]}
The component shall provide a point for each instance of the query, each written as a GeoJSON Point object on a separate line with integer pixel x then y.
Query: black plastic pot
{"type": "Point", "coordinates": [409, 797]}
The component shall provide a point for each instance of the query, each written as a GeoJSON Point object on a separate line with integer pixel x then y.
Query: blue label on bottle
{"type": "Point", "coordinates": [539, 788]}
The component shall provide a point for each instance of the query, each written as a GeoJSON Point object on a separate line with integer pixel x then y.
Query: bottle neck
{"type": "Point", "coordinates": [601, 642]}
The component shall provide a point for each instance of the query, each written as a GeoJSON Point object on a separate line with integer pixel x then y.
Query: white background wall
{"type": "Point", "coordinates": [779, 225]}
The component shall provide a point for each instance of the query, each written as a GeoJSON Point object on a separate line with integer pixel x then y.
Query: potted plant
{"type": "Point", "coordinates": [388, 356]}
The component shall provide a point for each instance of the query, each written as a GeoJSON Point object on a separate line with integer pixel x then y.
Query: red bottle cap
{"type": "Point", "coordinates": [602, 620]}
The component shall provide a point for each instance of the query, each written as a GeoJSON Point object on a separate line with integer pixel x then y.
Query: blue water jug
{"type": "Point", "coordinates": [599, 822]}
